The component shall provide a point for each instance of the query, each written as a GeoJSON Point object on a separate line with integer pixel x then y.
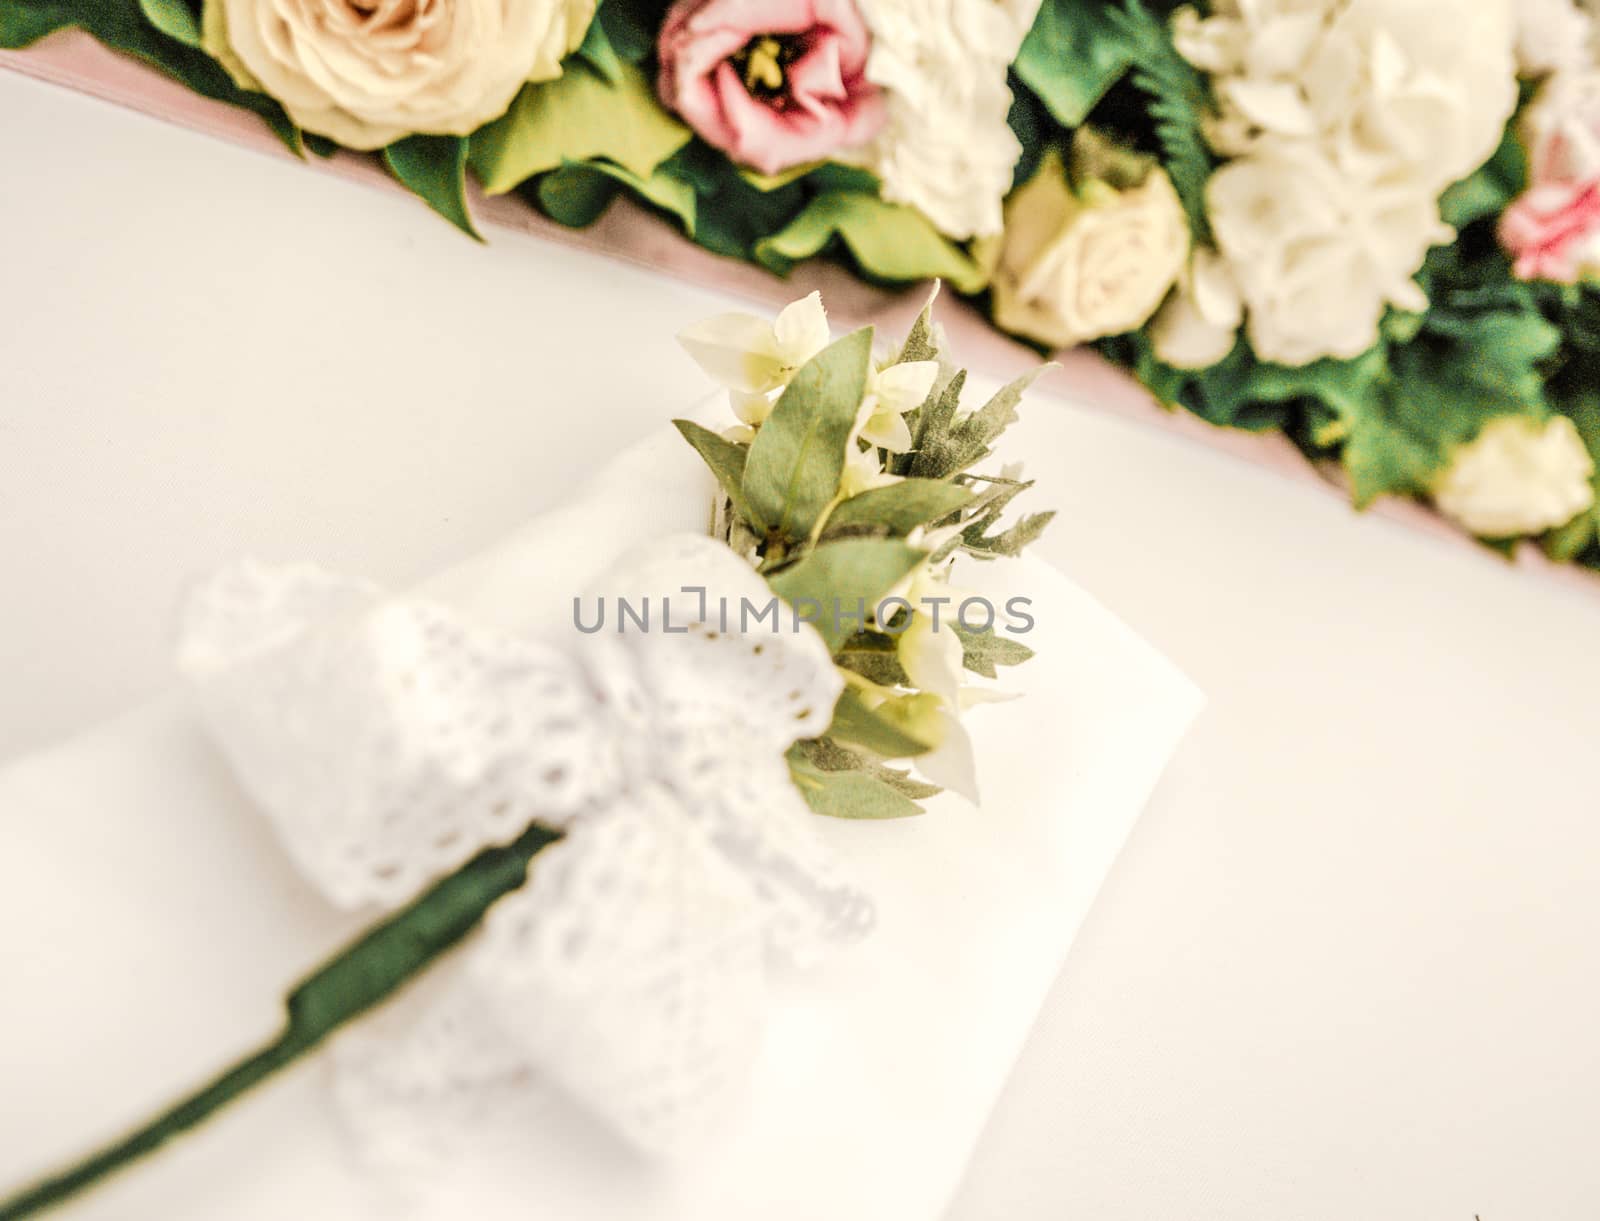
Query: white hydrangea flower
{"type": "Point", "coordinates": [1518, 476]}
{"type": "Point", "coordinates": [946, 148]}
{"type": "Point", "coordinates": [1344, 121]}
{"type": "Point", "coordinates": [1553, 35]}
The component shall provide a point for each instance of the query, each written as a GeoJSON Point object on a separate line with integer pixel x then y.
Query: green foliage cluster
{"type": "Point", "coordinates": [817, 546]}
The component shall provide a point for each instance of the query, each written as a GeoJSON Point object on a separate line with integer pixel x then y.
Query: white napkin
{"type": "Point", "coordinates": [149, 924]}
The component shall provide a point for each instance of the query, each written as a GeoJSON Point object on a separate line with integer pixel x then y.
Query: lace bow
{"type": "Point", "coordinates": [390, 741]}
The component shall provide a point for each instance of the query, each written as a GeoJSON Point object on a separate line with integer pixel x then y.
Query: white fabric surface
{"type": "Point", "coordinates": [879, 1068]}
{"type": "Point", "coordinates": [1345, 967]}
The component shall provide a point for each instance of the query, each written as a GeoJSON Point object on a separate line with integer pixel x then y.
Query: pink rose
{"type": "Point", "coordinates": [1553, 230]}
{"type": "Point", "coordinates": [773, 83]}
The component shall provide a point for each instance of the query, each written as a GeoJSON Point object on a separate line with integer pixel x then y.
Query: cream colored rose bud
{"type": "Point", "coordinates": [1090, 257]}
{"type": "Point", "coordinates": [1518, 476]}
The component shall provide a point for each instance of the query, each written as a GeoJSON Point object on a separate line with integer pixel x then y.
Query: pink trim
{"type": "Point", "coordinates": [628, 233]}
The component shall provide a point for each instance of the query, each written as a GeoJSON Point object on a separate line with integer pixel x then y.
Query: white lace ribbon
{"type": "Point", "coordinates": [390, 741]}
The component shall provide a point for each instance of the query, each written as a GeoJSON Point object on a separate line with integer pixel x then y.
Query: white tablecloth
{"type": "Point", "coordinates": [1347, 966]}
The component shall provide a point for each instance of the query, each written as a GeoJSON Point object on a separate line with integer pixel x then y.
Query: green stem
{"type": "Point", "coordinates": [361, 976]}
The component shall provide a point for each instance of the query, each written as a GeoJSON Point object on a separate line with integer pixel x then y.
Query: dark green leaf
{"type": "Point", "coordinates": [1074, 53]}
{"type": "Point", "coordinates": [435, 169]}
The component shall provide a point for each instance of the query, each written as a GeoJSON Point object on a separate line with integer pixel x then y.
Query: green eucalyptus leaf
{"type": "Point", "coordinates": [849, 794]}
{"type": "Point", "coordinates": [1073, 54]}
{"type": "Point", "coordinates": [840, 577]}
{"type": "Point", "coordinates": [899, 507]}
{"type": "Point", "coordinates": [579, 116]}
{"type": "Point", "coordinates": [857, 725]}
{"type": "Point", "coordinates": [795, 463]}
{"type": "Point", "coordinates": [890, 241]}
{"type": "Point", "coordinates": [435, 170]}
{"type": "Point", "coordinates": [124, 26]}
{"type": "Point", "coordinates": [726, 460]}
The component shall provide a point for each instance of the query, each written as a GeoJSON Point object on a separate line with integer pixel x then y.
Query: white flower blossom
{"type": "Point", "coordinates": [1518, 476]}
{"type": "Point", "coordinates": [1552, 36]}
{"type": "Point", "coordinates": [946, 148]}
{"type": "Point", "coordinates": [1343, 121]}
{"type": "Point", "coordinates": [754, 357]}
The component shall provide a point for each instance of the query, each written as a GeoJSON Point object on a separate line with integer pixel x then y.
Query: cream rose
{"type": "Point", "coordinates": [1518, 476]}
{"type": "Point", "coordinates": [367, 72]}
{"type": "Point", "coordinates": [1075, 265]}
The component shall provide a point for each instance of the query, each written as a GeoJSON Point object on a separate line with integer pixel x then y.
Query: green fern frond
{"type": "Point", "coordinates": [1179, 103]}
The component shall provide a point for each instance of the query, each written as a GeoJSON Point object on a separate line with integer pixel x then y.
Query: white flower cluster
{"type": "Point", "coordinates": [946, 148]}
{"type": "Point", "coordinates": [1554, 35]}
{"type": "Point", "coordinates": [1342, 122]}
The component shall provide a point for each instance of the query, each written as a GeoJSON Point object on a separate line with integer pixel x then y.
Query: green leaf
{"type": "Point", "coordinates": [1438, 394]}
{"type": "Point", "coordinates": [174, 18]}
{"type": "Point", "coordinates": [1487, 192]}
{"type": "Point", "coordinates": [983, 651]}
{"type": "Point", "coordinates": [922, 341]}
{"type": "Point", "coordinates": [580, 116]}
{"type": "Point", "coordinates": [123, 26]}
{"type": "Point", "coordinates": [849, 794]}
{"type": "Point", "coordinates": [899, 507]}
{"type": "Point", "coordinates": [631, 26]}
{"type": "Point", "coordinates": [726, 460]}
{"type": "Point", "coordinates": [1007, 543]}
{"type": "Point", "coordinates": [840, 577]}
{"type": "Point", "coordinates": [795, 462]}
{"type": "Point", "coordinates": [935, 418]}
{"type": "Point", "coordinates": [873, 656]}
{"type": "Point", "coordinates": [596, 51]}
{"type": "Point", "coordinates": [435, 169]}
{"type": "Point", "coordinates": [968, 441]}
{"type": "Point", "coordinates": [856, 724]}
{"type": "Point", "coordinates": [577, 193]}
{"type": "Point", "coordinates": [731, 216]}
{"type": "Point", "coordinates": [1075, 52]}
{"type": "Point", "coordinates": [890, 241]}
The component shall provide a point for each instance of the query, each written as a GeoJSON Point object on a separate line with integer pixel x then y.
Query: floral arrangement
{"type": "Point", "coordinates": [1372, 225]}
{"type": "Point", "coordinates": [612, 829]}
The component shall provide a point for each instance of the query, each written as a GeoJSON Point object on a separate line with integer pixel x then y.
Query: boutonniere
{"type": "Point", "coordinates": [613, 828]}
